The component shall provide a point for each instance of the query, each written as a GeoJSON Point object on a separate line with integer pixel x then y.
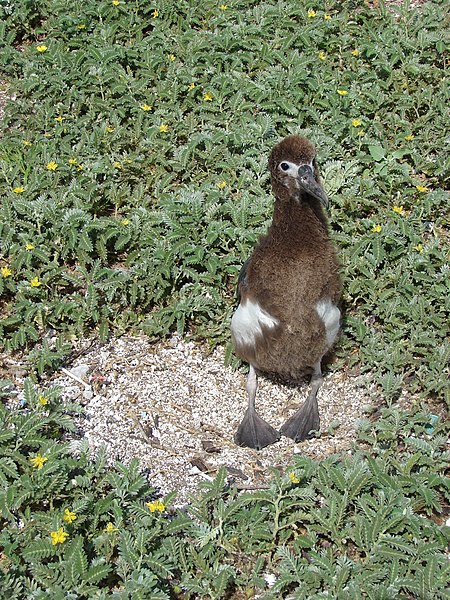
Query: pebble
{"type": "Point", "coordinates": [88, 394]}
{"type": "Point", "coordinates": [80, 371]}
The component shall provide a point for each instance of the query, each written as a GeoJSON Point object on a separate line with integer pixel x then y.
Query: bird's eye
{"type": "Point", "coordinates": [284, 166]}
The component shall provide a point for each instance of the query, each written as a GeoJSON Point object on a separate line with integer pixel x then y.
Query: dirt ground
{"type": "Point", "coordinates": [176, 407]}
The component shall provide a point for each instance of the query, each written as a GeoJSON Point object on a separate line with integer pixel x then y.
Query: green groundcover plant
{"type": "Point", "coordinates": [369, 524]}
{"type": "Point", "coordinates": [133, 168]}
{"type": "Point", "coordinates": [133, 185]}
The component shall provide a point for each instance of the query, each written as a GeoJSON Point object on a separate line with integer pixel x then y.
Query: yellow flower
{"type": "Point", "coordinates": [223, 6]}
{"type": "Point", "coordinates": [322, 55]}
{"type": "Point", "coordinates": [355, 52]}
{"type": "Point", "coordinates": [356, 122]}
{"type": "Point", "coordinates": [19, 190]}
{"type": "Point", "coordinates": [35, 282]}
{"type": "Point", "coordinates": [172, 57]}
{"type": "Point", "coordinates": [115, 2]}
{"type": "Point", "coordinates": [38, 461]}
{"type": "Point", "coordinates": [376, 228]}
{"type": "Point", "coordinates": [80, 167]}
{"type": "Point", "coordinates": [60, 119]}
{"type": "Point", "coordinates": [26, 142]}
{"type": "Point", "coordinates": [117, 165]}
{"type": "Point", "coordinates": [421, 188]}
{"type": "Point", "coordinates": [41, 48]}
{"type": "Point", "coordinates": [327, 17]}
{"type": "Point", "coordinates": [6, 272]}
{"type": "Point", "coordinates": [29, 247]}
{"type": "Point", "coordinates": [109, 129]}
{"type": "Point", "coordinates": [419, 248]}
{"type": "Point", "coordinates": [81, 26]}
{"type": "Point", "coordinates": [72, 161]}
{"type": "Point", "coordinates": [125, 222]}
{"type": "Point", "coordinates": [59, 537]}
{"type": "Point", "coordinates": [342, 92]}
{"type": "Point", "coordinates": [398, 209]}
{"type": "Point", "coordinates": [110, 528]}
{"type": "Point", "coordinates": [163, 128]}
{"type": "Point", "coordinates": [43, 400]}
{"type": "Point", "coordinates": [312, 13]}
{"type": "Point", "coordinates": [360, 133]}
{"type": "Point", "coordinates": [155, 13]}
{"type": "Point", "coordinates": [207, 97]}
{"type": "Point", "coordinates": [52, 166]}
{"type": "Point", "coordinates": [191, 86]}
{"type": "Point", "coordinates": [221, 184]}
{"type": "Point", "coordinates": [146, 107]}
{"type": "Point", "coordinates": [69, 516]}
{"type": "Point", "coordinates": [293, 477]}
{"type": "Point", "coordinates": [157, 505]}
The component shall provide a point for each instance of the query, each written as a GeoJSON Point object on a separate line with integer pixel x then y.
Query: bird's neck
{"type": "Point", "coordinates": [291, 214]}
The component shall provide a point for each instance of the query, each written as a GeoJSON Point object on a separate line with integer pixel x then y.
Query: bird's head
{"type": "Point", "coordinates": [294, 171]}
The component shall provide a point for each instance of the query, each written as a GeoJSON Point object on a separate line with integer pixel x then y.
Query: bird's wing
{"type": "Point", "coordinates": [242, 280]}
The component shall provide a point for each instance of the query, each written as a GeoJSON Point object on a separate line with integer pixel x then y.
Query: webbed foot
{"type": "Point", "coordinates": [305, 420]}
{"type": "Point", "coordinates": [254, 432]}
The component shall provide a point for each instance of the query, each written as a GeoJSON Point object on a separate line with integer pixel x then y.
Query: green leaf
{"type": "Point", "coordinates": [377, 152]}
{"type": "Point", "coordinates": [38, 550]}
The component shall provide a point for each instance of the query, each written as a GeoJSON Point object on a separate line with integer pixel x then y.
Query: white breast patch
{"type": "Point", "coordinates": [247, 322]}
{"type": "Point", "coordinates": [331, 317]}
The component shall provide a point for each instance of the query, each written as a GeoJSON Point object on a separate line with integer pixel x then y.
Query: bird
{"type": "Point", "coordinates": [288, 315]}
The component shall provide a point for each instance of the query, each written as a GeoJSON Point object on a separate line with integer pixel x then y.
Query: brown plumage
{"type": "Point", "coordinates": [287, 317]}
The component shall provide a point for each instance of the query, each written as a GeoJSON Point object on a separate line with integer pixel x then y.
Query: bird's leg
{"type": "Point", "coordinates": [253, 431]}
{"type": "Point", "coordinates": [306, 419]}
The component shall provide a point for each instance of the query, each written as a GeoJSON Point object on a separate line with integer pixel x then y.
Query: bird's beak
{"type": "Point", "coordinates": [309, 184]}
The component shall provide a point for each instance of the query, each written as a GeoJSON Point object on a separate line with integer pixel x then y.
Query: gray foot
{"type": "Point", "coordinates": [254, 432]}
{"type": "Point", "coordinates": [305, 420]}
